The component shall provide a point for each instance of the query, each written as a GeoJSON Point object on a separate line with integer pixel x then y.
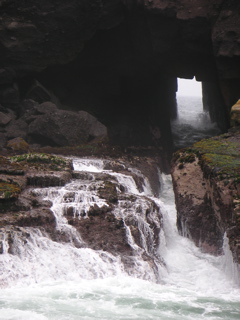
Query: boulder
{"type": "Point", "coordinates": [18, 144]}
{"type": "Point", "coordinates": [40, 94]}
{"type": "Point", "coordinates": [17, 128]}
{"type": "Point", "coordinates": [56, 127]}
{"type": "Point", "coordinates": [26, 107]}
{"type": "Point", "coordinates": [235, 114]}
{"type": "Point", "coordinates": [45, 107]}
{"type": "Point", "coordinates": [96, 128]}
{"type": "Point", "coordinates": [59, 129]}
{"type": "Point", "coordinates": [4, 119]}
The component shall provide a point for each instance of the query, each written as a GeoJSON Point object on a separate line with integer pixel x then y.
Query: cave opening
{"type": "Point", "coordinates": [192, 122]}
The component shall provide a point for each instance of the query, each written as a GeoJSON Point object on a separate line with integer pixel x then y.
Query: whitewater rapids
{"type": "Point", "coordinates": [59, 281]}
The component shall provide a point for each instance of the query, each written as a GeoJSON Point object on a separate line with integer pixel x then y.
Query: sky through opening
{"type": "Point", "coordinates": [189, 88]}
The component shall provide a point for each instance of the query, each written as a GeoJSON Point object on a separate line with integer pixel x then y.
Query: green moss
{"type": "Point", "coordinates": [9, 168]}
{"type": "Point", "coordinates": [18, 144]}
{"type": "Point", "coordinates": [38, 157]}
{"type": "Point", "coordinates": [51, 162]}
{"type": "Point", "coordinates": [9, 190]}
{"type": "Point", "coordinates": [219, 156]}
{"type": "Point", "coordinates": [224, 165]}
{"type": "Point", "coordinates": [186, 155]}
{"type": "Point", "coordinates": [218, 146]}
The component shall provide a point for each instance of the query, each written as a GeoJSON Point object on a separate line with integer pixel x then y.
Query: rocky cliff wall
{"type": "Point", "coordinates": [206, 184]}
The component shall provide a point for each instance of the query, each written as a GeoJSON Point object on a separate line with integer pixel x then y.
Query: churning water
{"type": "Point", "coordinates": [58, 281]}
{"type": "Point", "coordinates": [192, 124]}
{"type": "Point", "coordinates": [47, 280]}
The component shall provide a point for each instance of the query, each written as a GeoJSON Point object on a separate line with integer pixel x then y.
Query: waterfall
{"type": "Point", "coordinates": [155, 274]}
{"type": "Point", "coordinates": [231, 269]}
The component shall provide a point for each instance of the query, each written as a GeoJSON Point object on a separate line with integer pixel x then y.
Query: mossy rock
{"type": "Point", "coordinates": [219, 156]}
{"type": "Point", "coordinates": [43, 161]}
{"type": "Point", "coordinates": [9, 190]}
{"type": "Point", "coordinates": [224, 165]}
{"type": "Point", "coordinates": [235, 114]}
{"type": "Point", "coordinates": [218, 145]}
{"type": "Point", "coordinates": [183, 156]}
{"type": "Point", "coordinates": [9, 168]}
{"type": "Point", "coordinates": [18, 144]}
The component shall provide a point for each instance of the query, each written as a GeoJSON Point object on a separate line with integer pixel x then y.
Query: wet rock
{"type": "Point", "coordinates": [43, 179]}
{"type": "Point", "coordinates": [206, 184]}
{"type": "Point", "coordinates": [35, 218]}
{"type": "Point", "coordinates": [95, 210]}
{"type": "Point", "coordinates": [105, 228]}
{"type": "Point", "coordinates": [118, 222]}
{"type": "Point", "coordinates": [109, 192]}
{"type": "Point", "coordinates": [83, 175]}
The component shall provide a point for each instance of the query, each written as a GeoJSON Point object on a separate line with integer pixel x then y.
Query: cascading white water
{"type": "Point", "coordinates": [49, 280]}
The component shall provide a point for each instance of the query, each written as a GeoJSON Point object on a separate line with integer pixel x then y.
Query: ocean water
{"type": "Point", "coordinates": [46, 280]}
{"type": "Point", "coordinates": [192, 124]}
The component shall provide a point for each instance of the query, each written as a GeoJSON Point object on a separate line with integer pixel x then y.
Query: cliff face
{"type": "Point", "coordinates": [35, 36]}
{"type": "Point", "coordinates": [206, 184]}
{"type": "Point", "coordinates": [119, 59]}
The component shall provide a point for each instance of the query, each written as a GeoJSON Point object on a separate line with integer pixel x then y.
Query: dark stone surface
{"type": "Point", "coordinates": [118, 60]}
{"type": "Point", "coordinates": [16, 128]}
{"type": "Point", "coordinates": [63, 128]}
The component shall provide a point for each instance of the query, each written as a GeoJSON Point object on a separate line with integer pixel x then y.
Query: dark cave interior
{"type": "Point", "coordinates": [126, 74]}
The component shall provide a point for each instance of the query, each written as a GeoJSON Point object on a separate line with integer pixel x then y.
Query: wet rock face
{"type": "Point", "coordinates": [19, 205]}
{"type": "Point", "coordinates": [98, 210]}
{"type": "Point", "coordinates": [206, 184]}
{"type": "Point", "coordinates": [196, 218]}
{"type": "Point", "coordinates": [124, 225]}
